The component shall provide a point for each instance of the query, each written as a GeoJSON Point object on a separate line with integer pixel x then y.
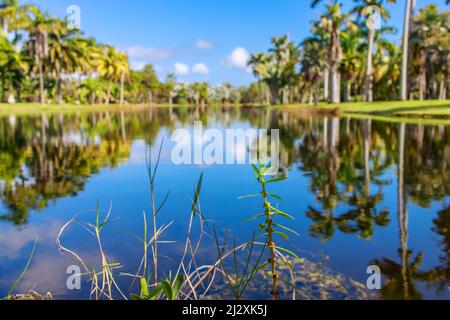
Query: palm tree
{"type": "Point", "coordinates": [65, 53]}
{"type": "Point", "coordinates": [13, 16]}
{"type": "Point", "coordinates": [37, 45]}
{"type": "Point", "coordinates": [351, 61]}
{"type": "Point", "coordinates": [171, 82]}
{"type": "Point", "coordinates": [366, 8]}
{"type": "Point", "coordinates": [123, 68]}
{"type": "Point", "coordinates": [406, 27]}
{"type": "Point", "coordinates": [333, 20]}
{"type": "Point", "coordinates": [278, 67]}
{"type": "Point", "coordinates": [313, 66]}
{"type": "Point", "coordinates": [12, 67]}
{"type": "Point", "coordinates": [320, 36]}
{"type": "Point", "coordinates": [430, 46]}
{"type": "Point", "coordinates": [113, 67]}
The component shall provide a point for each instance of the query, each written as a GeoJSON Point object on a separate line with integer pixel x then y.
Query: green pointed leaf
{"type": "Point", "coordinates": [276, 180]}
{"type": "Point", "coordinates": [281, 213]}
{"type": "Point", "coordinates": [167, 289]}
{"type": "Point", "coordinates": [144, 287]}
{"type": "Point", "coordinates": [287, 251]}
{"type": "Point", "coordinates": [255, 217]}
{"type": "Point", "coordinates": [286, 228]}
{"type": "Point", "coordinates": [282, 234]}
{"type": "Point", "coordinates": [275, 196]}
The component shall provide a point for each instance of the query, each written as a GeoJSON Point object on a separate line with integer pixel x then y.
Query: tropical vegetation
{"type": "Point", "coordinates": [347, 57]}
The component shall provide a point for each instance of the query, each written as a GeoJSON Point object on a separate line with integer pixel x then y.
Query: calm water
{"type": "Point", "coordinates": [363, 192]}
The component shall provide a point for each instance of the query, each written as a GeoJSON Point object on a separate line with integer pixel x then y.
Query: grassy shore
{"type": "Point", "coordinates": [432, 111]}
{"type": "Point", "coordinates": [429, 108]}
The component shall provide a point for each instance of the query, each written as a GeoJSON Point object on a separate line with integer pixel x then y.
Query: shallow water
{"type": "Point", "coordinates": [362, 192]}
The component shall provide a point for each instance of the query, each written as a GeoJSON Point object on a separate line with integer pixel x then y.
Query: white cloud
{"type": "Point", "coordinates": [200, 68]}
{"type": "Point", "coordinates": [181, 68]}
{"type": "Point", "coordinates": [141, 56]}
{"type": "Point", "coordinates": [148, 54]}
{"type": "Point", "coordinates": [238, 58]}
{"type": "Point", "coordinates": [203, 44]}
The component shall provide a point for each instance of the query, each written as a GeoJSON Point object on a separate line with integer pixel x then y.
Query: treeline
{"type": "Point", "coordinates": [43, 60]}
{"type": "Point", "coordinates": [348, 57]}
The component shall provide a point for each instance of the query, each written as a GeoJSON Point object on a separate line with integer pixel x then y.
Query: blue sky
{"type": "Point", "coordinates": [200, 40]}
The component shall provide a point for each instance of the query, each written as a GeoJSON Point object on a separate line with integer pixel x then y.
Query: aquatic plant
{"type": "Point", "coordinates": [22, 274]}
{"type": "Point", "coordinates": [269, 227]}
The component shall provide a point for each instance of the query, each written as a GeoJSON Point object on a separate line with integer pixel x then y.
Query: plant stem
{"type": "Point", "coordinates": [271, 244]}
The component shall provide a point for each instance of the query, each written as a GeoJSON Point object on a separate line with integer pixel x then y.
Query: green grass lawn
{"type": "Point", "coordinates": [388, 108]}
{"type": "Point", "coordinates": [418, 112]}
{"type": "Point", "coordinates": [33, 108]}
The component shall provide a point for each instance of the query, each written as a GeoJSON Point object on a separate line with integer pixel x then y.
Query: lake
{"type": "Point", "coordinates": [363, 192]}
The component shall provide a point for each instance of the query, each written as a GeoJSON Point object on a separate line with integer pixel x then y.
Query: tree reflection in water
{"type": "Point", "coordinates": [348, 164]}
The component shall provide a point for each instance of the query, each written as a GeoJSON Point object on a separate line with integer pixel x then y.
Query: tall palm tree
{"type": "Point", "coordinates": [13, 16]}
{"type": "Point", "coordinates": [171, 82]}
{"type": "Point", "coordinates": [65, 53]}
{"type": "Point", "coordinates": [278, 67]}
{"type": "Point", "coordinates": [12, 67]}
{"type": "Point", "coordinates": [113, 67]}
{"type": "Point", "coordinates": [366, 8]}
{"type": "Point", "coordinates": [430, 49]}
{"type": "Point", "coordinates": [37, 45]}
{"type": "Point", "coordinates": [123, 69]}
{"type": "Point", "coordinates": [333, 20]}
{"type": "Point", "coordinates": [406, 27]}
{"type": "Point", "coordinates": [320, 38]}
{"type": "Point", "coordinates": [313, 66]}
{"type": "Point", "coordinates": [351, 62]}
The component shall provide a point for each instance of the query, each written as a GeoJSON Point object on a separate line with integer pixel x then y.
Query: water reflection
{"type": "Point", "coordinates": [352, 168]}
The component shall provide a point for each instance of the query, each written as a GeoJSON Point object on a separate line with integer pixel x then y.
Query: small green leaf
{"type": "Point", "coordinates": [255, 217]}
{"type": "Point", "coordinates": [286, 228]}
{"type": "Point", "coordinates": [281, 213]}
{"type": "Point", "coordinates": [167, 289]}
{"type": "Point", "coordinates": [287, 251]}
{"type": "Point", "coordinates": [276, 180]}
{"type": "Point", "coordinates": [257, 171]}
{"type": "Point", "coordinates": [144, 287]}
{"type": "Point", "coordinates": [275, 196]}
{"type": "Point", "coordinates": [282, 234]}
{"type": "Point", "coordinates": [155, 293]}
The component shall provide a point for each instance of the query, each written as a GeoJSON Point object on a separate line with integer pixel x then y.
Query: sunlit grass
{"type": "Point", "coordinates": [386, 108]}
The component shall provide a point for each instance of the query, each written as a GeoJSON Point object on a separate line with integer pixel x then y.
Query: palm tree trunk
{"type": "Point", "coordinates": [348, 91]}
{"type": "Point", "coordinates": [108, 93]}
{"type": "Point", "coordinates": [404, 76]}
{"type": "Point", "coordinates": [41, 81]}
{"type": "Point", "coordinates": [59, 98]}
{"type": "Point", "coordinates": [442, 90]}
{"type": "Point", "coordinates": [334, 85]}
{"type": "Point", "coordinates": [368, 82]}
{"type": "Point", "coordinates": [3, 89]}
{"type": "Point", "coordinates": [122, 83]}
{"type": "Point", "coordinates": [326, 86]}
{"type": "Point", "coordinates": [11, 99]}
{"type": "Point", "coordinates": [422, 84]}
{"type": "Point", "coordinates": [274, 93]}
